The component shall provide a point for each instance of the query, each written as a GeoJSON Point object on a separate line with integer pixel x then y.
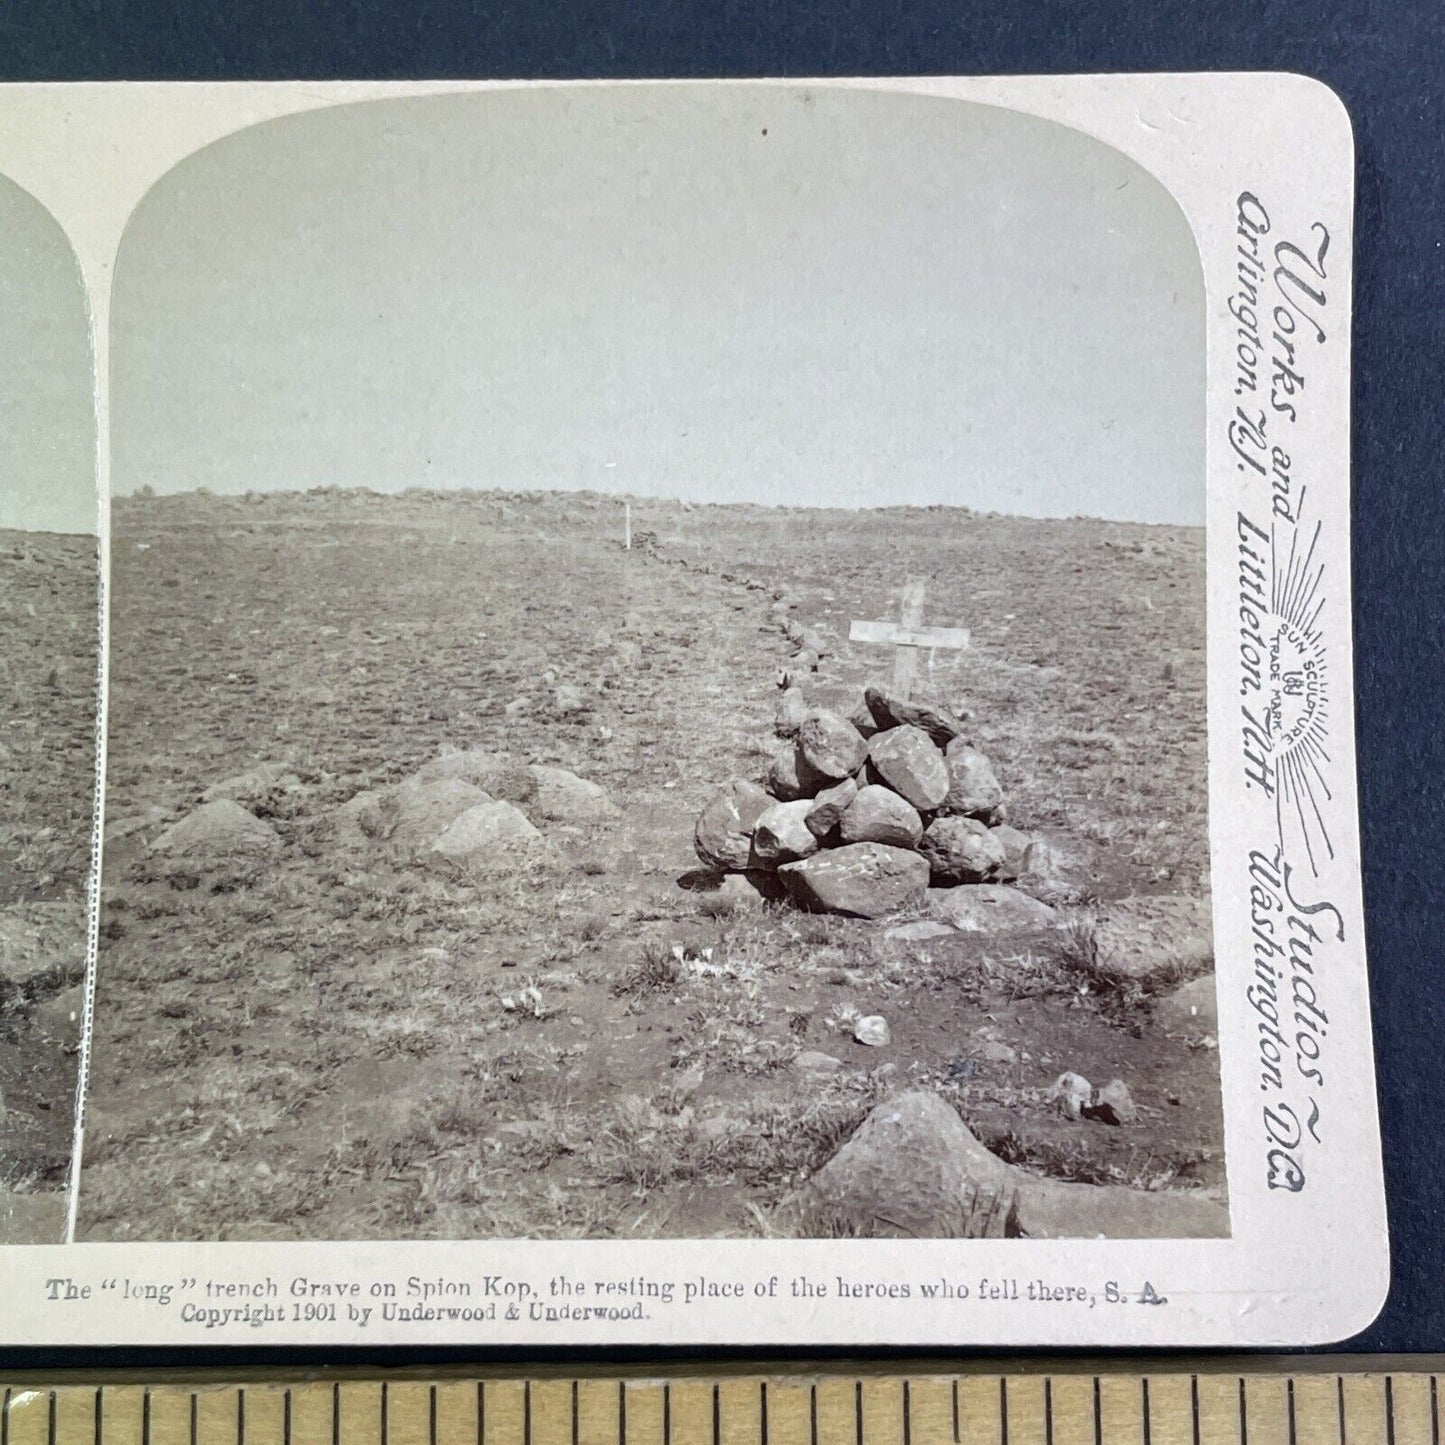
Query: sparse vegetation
{"type": "Point", "coordinates": [48, 596]}
{"type": "Point", "coordinates": [374, 1083]}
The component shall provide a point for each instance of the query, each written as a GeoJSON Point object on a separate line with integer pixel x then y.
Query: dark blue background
{"type": "Point", "coordinates": [1386, 62]}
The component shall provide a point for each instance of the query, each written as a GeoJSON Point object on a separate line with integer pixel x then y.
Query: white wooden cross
{"type": "Point", "coordinates": [909, 637]}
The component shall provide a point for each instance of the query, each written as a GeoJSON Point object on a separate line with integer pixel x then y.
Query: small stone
{"type": "Point", "coordinates": [995, 1051]}
{"type": "Point", "coordinates": [723, 837]}
{"type": "Point", "coordinates": [782, 834]}
{"type": "Point", "coordinates": [862, 880]}
{"type": "Point", "coordinates": [961, 850]}
{"type": "Point", "coordinates": [220, 827]}
{"type": "Point", "coordinates": [791, 711]}
{"type": "Point", "coordinates": [810, 1061]}
{"type": "Point", "coordinates": [1072, 1094]}
{"type": "Point", "coordinates": [831, 745]}
{"type": "Point", "coordinates": [568, 699]}
{"type": "Point", "coordinates": [906, 760]}
{"type": "Point", "coordinates": [792, 777]}
{"type": "Point", "coordinates": [891, 711]}
{"type": "Point", "coordinates": [974, 790]}
{"type": "Point", "coordinates": [829, 807]}
{"type": "Point", "coordinates": [873, 1031]}
{"type": "Point", "coordinates": [1113, 1104]}
{"type": "Point", "coordinates": [879, 815]}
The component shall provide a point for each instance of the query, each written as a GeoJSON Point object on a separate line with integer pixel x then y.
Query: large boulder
{"type": "Point", "coordinates": [914, 1170]}
{"type": "Point", "coordinates": [563, 797]}
{"type": "Point", "coordinates": [990, 908]}
{"type": "Point", "coordinates": [879, 815]}
{"type": "Point", "coordinates": [831, 745]}
{"type": "Point", "coordinates": [891, 711]}
{"type": "Point", "coordinates": [863, 880]}
{"type": "Point", "coordinates": [782, 834]}
{"type": "Point", "coordinates": [220, 827]}
{"type": "Point", "coordinates": [723, 837]}
{"type": "Point", "coordinates": [829, 806]}
{"type": "Point", "coordinates": [792, 776]}
{"type": "Point", "coordinates": [485, 839]}
{"type": "Point", "coordinates": [905, 759]}
{"type": "Point", "coordinates": [1155, 937]}
{"type": "Point", "coordinates": [415, 813]}
{"type": "Point", "coordinates": [974, 790]}
{"type": "Point", "coordinates": [961, 850]}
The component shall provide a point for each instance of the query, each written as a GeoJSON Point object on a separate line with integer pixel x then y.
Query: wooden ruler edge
{"type": "Point", "coordinates": [1277, 1367]}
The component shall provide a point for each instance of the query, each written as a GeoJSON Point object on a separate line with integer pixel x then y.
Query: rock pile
{"type": "Point", "coordinates": [860, 815]}
{"type": "Point", "coordinates": [463, 812]}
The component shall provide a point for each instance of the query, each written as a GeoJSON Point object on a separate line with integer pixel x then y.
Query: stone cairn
{"type": "Point", "coordinates": [860, 815]}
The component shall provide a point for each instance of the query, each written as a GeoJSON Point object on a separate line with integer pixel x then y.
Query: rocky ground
{"type": "Point", "coordinates": [404, 932]}
{"type": "Point", "coordinates": [47, 770]}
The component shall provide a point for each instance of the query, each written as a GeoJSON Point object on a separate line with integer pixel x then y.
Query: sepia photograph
{"type": "Point", "coordinates": [49, 652]}
{"type": "Point", "coordinates": [657, 687]}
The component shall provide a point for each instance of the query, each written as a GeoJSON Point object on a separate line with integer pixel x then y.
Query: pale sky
{"type": "Point", "coordinates": [47, 394]}
{"type": "Point", "coordinates": [803, 297]}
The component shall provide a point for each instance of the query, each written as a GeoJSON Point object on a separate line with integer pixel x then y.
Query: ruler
{"type": "Point", "coordinates": [1044, 1406]}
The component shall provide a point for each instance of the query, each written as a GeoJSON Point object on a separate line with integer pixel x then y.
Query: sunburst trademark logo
{"type": "Point", "coordinates": [1286, 681]}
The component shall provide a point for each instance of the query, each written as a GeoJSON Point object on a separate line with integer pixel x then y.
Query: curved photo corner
{"type": "Point", "coordinates": [657, 666]}
{"type": "Point", "coordinates": [49, 581]}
